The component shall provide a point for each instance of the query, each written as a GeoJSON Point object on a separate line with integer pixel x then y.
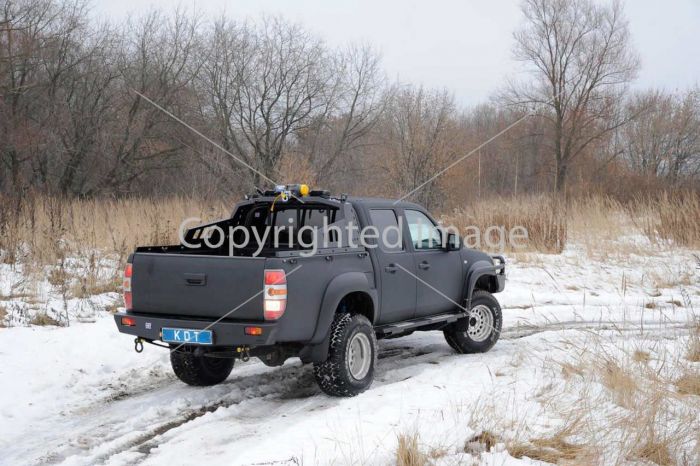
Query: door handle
{"type": "Point", "coordinates": [424, 265]}
{"type": "Point", "coordinates": [195, 279]}
{"type": "Point", "coordinates": [391, 268]}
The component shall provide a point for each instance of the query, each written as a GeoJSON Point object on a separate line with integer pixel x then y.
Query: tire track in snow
{"type": "Point", "coordinates": [294, 381]}
{"type": "Point", "coordinates": [396, 357]}
{"type": "Point", "coordinates": [114, 432]}
{"type": "Point", "coordinates": [526, 330]}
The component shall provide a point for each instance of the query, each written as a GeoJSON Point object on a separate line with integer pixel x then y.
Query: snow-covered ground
{"type": "Point", "coordinates": [80, 395]}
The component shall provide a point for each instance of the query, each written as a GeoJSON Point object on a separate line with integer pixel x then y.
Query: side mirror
{"type": "Point", "coordinates": [453, 243]}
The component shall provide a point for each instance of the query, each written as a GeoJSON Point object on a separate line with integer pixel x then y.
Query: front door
{"type": "Point", "coordinates": [439, 271]}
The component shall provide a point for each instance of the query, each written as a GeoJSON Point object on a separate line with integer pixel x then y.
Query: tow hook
{"type": "Point", "coordinates": [138, 345]}
{"type": "Point", "coordinates": [244, 353]}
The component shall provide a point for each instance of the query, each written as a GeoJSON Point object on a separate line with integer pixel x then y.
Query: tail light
{"type": "Point", "coordinates": [275, 299]}
{"type": "Point", "coordinates": [128, 321]}
{"type": "Point", "coordinates": [126, 288]}
{"type": "Point", "coordinates": [254, 331]}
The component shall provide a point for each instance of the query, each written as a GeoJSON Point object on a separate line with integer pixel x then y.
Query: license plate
{"type": "Point", "coordinates": [187, 335]}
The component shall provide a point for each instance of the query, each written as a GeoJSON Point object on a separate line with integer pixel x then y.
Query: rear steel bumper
{"type": "Point", "coordinates": [226, 333]}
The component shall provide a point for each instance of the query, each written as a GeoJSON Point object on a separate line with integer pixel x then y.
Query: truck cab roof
{"type": "Point", "coordinates": [378, 202]}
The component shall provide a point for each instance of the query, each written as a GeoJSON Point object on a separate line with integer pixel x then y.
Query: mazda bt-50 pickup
{"type": "Point", "coordinates": [299, 273]}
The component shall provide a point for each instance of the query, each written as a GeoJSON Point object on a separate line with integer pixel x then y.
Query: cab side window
{"type": "Point", "coordinates": [424, 235]}
{"type": "Point", "coordinates": [388, 229]}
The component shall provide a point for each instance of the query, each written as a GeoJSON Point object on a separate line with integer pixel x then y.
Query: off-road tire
{"type": "Point", "coordinates": [333, 375]}
{"type": "Point", "coordinates": [457, 336]}
{"type": "Point", "coordinates": [199, 370]}
{"type": "Point", "coordinates": [452, 344]}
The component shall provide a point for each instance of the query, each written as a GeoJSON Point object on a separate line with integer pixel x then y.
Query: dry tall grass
{"type": "Point", "coordinates": [77, 247]}
{"type": "Point", "coordinates": [408, 452]}
{"type": "Point", "coordinates": [694, 349]}
{"type": "Point", "coordinates": [671, 218]}
{"type": "Point", "coordinates": [689, 383]}
{"type": "Point", "coordinates": [44, 230]}
{"type": "Point", "coordinates": [606, 402]}
{"type": "Point", "coordinates": [542, 216]}
{"type": "Point", "coordinates": [597, 222]}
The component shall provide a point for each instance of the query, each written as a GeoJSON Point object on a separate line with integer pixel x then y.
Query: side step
{"type": "Point", "coordinates": [401, 327]}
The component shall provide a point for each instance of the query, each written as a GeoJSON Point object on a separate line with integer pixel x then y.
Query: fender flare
{"type": "Point", "coordinates": [350, 282]}
{"type": "Point", "coordinates": [479, 269]}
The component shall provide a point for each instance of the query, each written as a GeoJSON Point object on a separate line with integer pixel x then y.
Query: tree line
{"type": "Point", "coordinates": [174, 103]}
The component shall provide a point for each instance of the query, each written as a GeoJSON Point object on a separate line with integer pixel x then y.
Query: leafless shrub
{"type": "Point", "coordinates": [91, 286]}
{"type": "Point", "coordinates": [59, 277]}
{"type": "Point", "coordinates": [44, 319]}
{"type": "Point", "coordinates": [89, 281]}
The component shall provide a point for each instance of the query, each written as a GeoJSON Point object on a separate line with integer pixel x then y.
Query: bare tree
{"type": "Point", "coordinates": [271, 83]}
{"type": "Point", "coordinates": [580, 56]}
{"type": "Point", "coordinates": [418, 127]}
{"type": "Point", "coordinates": [225, 46]}
{"type": "Point", "coordinates": [81, 100]}
{"type": "Point", "coordinates": [357, 98]}
{"type": "Point", "coordinates": [157, 58]}
{"type": "Point", "coordinates": [664, 139]}
{"type": "Point", "coordinates": [290, 106]}
{"type": "Point", "coordinates": [29, 31]}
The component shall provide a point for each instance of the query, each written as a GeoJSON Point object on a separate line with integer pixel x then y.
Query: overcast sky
{"type": "Point", "coordinates": [462, 45]}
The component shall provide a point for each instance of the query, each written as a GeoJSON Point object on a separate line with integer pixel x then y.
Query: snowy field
{"type": "Point", "coordinates": [588, 370]}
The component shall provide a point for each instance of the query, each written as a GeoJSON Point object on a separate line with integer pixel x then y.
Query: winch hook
{"type": "Point", "coordinates": [138, 345]}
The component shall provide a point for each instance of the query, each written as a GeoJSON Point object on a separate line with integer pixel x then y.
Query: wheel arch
{"type": "Point", "coordinates": [482, 275]}
{"type": "Point", "coordinates": [358, 302]}
{"type": "Point", "coordinates": [347, 289]}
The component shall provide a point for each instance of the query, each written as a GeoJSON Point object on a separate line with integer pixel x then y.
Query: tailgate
{"type": "Point", "coordinates": [198, 286]}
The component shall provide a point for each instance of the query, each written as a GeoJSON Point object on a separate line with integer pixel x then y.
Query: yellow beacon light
{"type": "Point", "coordinates": [304, 190]}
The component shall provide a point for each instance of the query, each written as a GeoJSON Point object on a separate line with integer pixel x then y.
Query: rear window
{"type": "Point", "coordinates": [289, 220]}
{"type": "Point", "coordinates": [298, 217]}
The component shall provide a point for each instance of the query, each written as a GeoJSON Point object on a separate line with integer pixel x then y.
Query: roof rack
{"type": "Point", "coordinates": [290, 190]}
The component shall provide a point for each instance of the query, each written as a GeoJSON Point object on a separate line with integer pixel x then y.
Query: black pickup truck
{"type": "Point", "coordinates": [337, 274]}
